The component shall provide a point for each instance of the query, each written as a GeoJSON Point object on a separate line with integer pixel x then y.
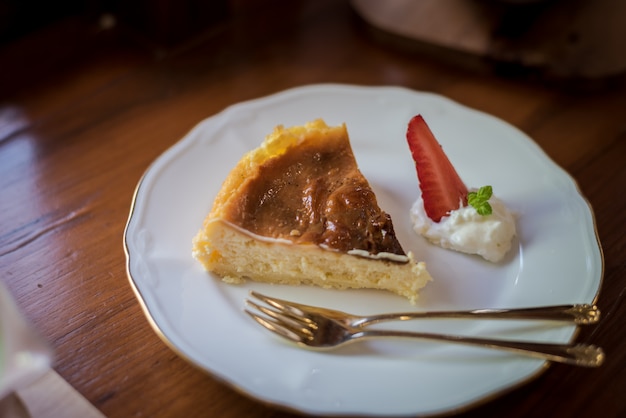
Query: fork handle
{"type": "Point", "coordinates": [582, 314]}
{"type": "Point", "coordinates": [578, 354]}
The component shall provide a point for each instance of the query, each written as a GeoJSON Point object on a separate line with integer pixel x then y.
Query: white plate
{"type": "Point", "coordinates": [557, 258]}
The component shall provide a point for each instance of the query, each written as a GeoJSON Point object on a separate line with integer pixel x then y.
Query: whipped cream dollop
{"type": "Point", "coordinates": [467, 231]}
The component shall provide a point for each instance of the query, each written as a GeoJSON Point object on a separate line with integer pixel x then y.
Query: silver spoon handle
{"type": "Point", "coordinates": [582, 314]}
{"type": "Point", "coordinates": [579, 354]}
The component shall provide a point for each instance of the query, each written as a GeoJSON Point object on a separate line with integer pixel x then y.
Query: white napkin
{"type": "Point", "coordinates": [29, 388]}
{"type": "Point", "coordinates": [24, 356]}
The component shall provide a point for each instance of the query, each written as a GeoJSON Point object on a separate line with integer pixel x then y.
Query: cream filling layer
{"type": "Point", "coordinates": [355, 252]}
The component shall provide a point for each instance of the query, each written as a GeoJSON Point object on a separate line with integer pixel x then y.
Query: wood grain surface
{"type": "Point", "coordinates": [89, 101]}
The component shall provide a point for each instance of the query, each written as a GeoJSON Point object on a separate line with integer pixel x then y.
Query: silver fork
{"type": "Point", "coordinates": [582, 314]}
{"type": "Point", "coordinates": [323, 329]}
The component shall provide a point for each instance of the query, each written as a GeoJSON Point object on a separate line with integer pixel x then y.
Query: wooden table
{"type": "Point", "coordinates": [86, 105]}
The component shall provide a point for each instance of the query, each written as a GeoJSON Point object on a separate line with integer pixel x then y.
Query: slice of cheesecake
{"type": "Point", "coordinates": [297, 210]}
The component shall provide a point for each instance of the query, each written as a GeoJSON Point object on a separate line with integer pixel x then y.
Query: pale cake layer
{"type": "Point", "coordinates": [236, 256]}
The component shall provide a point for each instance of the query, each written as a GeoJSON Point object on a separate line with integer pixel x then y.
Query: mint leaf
{"type": "Point", "coordinates": [479, 200]}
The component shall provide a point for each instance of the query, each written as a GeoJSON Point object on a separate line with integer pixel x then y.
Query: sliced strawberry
{"type": "Point", "coordinates": [442, 189]}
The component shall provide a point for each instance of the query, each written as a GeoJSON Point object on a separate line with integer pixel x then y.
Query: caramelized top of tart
{"type": "Point", "coordinates": [303, 185]}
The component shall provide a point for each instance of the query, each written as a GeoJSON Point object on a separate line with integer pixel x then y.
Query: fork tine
{"type": "Point", "coordinates": [275, 327]}
{"type": "Point", "coordinates": [279, 315]}
{"type": "Point", "coordinates": [290, 308]}
{"type": "Point", "coordinates": [284, 323]}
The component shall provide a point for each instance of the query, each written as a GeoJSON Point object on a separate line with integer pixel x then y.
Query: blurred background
{"type": "Point", "coordinates": [555, 40]}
